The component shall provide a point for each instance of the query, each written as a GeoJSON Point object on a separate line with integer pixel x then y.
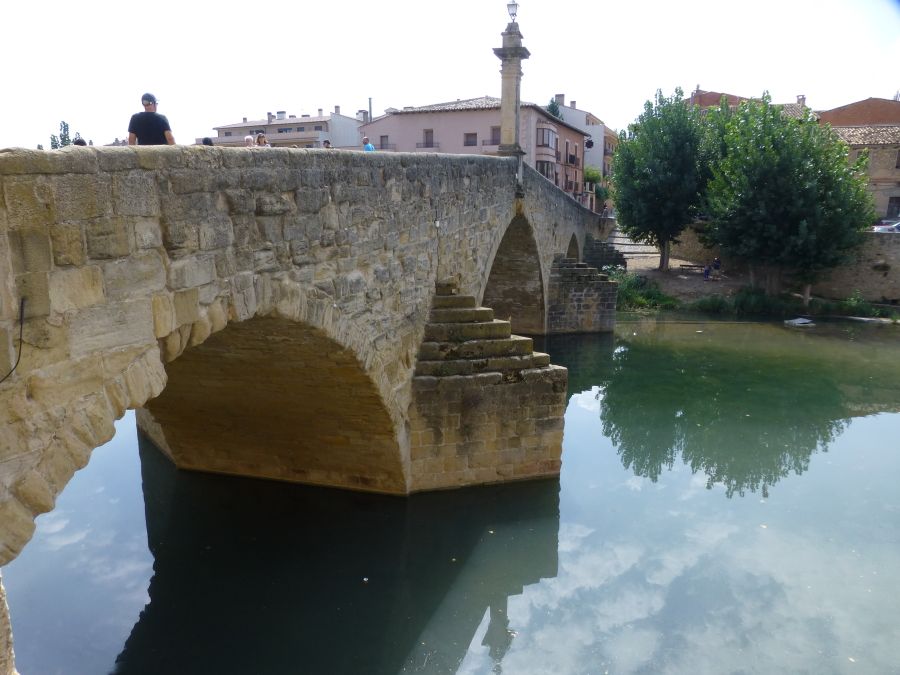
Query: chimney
{"type": "Point", "coordinates": [320, 113]}
{"type": "Point", "coordinates": [572, 104]}
{"type": "Point", "coordinates": [337, 110]}
{"type": "Point", "coordinates": [281, 114]}
{"type": "Point", "coordinates": [801, 100]}
{"type": "Point", "coordinates": [291, 117]}
{"type": "Point", "coordinates": [561, 99]}
{"type": "Point", "coordinates": [245, 119]}
{"type": "Point", "coordinates": [362, 116]}
{"type": "Point", "coordinates": [270, 117]}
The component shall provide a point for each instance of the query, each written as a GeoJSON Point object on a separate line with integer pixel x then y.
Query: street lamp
{"type": "Point", "coordinates": [511, 55]}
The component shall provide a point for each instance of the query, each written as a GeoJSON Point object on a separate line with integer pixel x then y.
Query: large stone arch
{"type": "Point", "coordinates": [515, 286]}
{"type": "Point", "coordinates": [278, 396]}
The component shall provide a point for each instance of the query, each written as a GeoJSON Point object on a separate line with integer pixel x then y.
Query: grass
{"type": "Point", "coordinates": [639, 293]}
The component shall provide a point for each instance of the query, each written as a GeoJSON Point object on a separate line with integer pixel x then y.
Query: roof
{"type": "Point", "coordinates": [480, 103]}
{"type": "Point", "coordinates": [883, 134]}
{"type": "Point", "coordinates": [275, 121]}
{"type": "Point", "coordinates": [797, 111]}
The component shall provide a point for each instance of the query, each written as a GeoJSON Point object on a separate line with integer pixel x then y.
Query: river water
{"type": "Point", "coordinates": [728, 503]}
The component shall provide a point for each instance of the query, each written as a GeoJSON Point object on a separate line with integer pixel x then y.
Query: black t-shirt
{"type": "Point", "coordinates": [150, 128]}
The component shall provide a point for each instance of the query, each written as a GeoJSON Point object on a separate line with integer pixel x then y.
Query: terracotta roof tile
{"type": "Point", "coordinates": [886, 134]}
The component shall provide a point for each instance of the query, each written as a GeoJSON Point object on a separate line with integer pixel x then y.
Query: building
{"type": "Point", "coordinates": [601, 145]}
{"type": "Point", "coordinates": [873, 126]}
{"type": "Point", "coordinates": [552, 146]}
{"type": "Point", "coordinates": [305, 131]}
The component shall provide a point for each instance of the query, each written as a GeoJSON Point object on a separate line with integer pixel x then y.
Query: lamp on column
{"type": "Point", "coordinates": [513, 9]}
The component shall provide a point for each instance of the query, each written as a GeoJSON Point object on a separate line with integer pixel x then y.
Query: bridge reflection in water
{"type": "Point", "coordinates": [271, 577]}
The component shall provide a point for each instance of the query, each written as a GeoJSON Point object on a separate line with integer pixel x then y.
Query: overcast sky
{"type": "Point", "coordinates": [211, 64]}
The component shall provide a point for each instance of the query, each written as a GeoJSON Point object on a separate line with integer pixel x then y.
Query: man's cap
{"type": "Point", "coordinates": [148, 98]}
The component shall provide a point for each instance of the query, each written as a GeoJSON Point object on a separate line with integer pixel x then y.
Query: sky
{"type": "Point", "coordinates": [214, 63]}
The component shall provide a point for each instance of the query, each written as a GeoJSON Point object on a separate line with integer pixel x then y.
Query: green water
{"type": "Point", "coordinates": [728, 503]}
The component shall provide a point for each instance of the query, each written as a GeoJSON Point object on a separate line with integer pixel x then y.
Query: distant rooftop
{"type": "Point", "coordinates": [879, 134]}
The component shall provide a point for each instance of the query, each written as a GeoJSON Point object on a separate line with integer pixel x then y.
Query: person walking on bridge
{"type": "Point", "coordinates": [149, 127]}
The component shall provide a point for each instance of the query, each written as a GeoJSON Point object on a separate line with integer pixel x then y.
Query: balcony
{"type": "Point", "coordinates": [572, 160]}
{"type": "Point", "coordinates": [391, 147]}
{"type": "Point", "coordinates": [430, 145]}
{"type": "Point", "coordinates": [493, 141]}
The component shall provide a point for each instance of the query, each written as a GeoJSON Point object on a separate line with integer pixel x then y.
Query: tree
{"type": "Point", "coordinates": [783, 198]}
{"type": "Point", "coordinates": [63, 140]}
{"type": "Point", "coordinates": [553, 109]}
{"type": "Point", "coordinates": [656, 175]}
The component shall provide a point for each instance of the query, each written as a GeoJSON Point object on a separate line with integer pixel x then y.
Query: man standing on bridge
{"type": "Point", "coordinates": [149, 127]}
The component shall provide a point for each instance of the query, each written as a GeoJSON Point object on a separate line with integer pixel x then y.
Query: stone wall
{"type": "Point", "coordinates": [130, 256]}
{"type": "Point", "coordinates": [874, 272]}
{"type": "Point", "coordinates": [7, 658]}
{"type": "Point", "coordinates": [581, 299]}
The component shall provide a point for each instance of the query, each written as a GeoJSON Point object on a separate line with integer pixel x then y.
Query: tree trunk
{"type": "Point", "coordinates": [807, 294]}
{"type": "Point", "coordinates": [664, 257]}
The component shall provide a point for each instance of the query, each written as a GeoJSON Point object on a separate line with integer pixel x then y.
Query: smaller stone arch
{"type": "Point", "coordinates": [573, 251]}
{"type": "Point", "coordinates": [515, 285]}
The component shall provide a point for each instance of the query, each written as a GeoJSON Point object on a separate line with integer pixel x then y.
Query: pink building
{"type": "Point", "coordinates": [472, 126]}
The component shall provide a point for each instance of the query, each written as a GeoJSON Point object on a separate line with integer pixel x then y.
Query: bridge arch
{"type": "Point", "coordinates": [515, 287]}
{"type": "Point", "coordinates": [572, 251]}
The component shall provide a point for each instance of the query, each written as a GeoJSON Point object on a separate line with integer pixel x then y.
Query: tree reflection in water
{"type": "Point", "coordinates": [746, 405]}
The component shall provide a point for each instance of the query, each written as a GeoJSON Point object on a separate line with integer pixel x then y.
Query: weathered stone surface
{"type": "Point", "coordinates": [7, 657]}
{"type": "Point", "coordinates": [76, 287]}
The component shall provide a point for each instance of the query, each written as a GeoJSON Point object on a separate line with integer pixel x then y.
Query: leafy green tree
{"type": "Point", "coordinates": [553, 109]}
{"type": "Point", "coordinates": [783, 198]}
{"type": "Point", "coordinates": [63, 140]}
{"type": "Point", "coordinates": [656, 173]}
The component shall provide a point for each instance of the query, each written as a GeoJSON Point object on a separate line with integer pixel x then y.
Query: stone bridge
{"type": "Point", "coordinates": [273, 313]}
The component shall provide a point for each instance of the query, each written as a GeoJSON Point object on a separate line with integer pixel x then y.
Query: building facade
{"type": "Point", "coordinates": [552, 146]}
{"type": "Point", "coordinates": [305, 131]}
{"type": "Point", "coordinates": [873, 126]}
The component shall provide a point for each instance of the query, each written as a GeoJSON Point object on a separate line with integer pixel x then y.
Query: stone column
{"type": "Point", "coordinates": [511, 54]}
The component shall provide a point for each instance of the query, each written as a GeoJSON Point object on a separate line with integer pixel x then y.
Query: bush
{"type": "Point", "coordinates": [637, 292]}
{"type": "Point", "coordinates": [712, 304]}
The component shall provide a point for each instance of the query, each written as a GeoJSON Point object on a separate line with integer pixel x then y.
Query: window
{"type": "Point", "coordinates": [284, 130]}
{"type": "Point", "coordinates": [227, 133]}
{"type": "Point", "coordinates": [546, 169]}
{"type": "Point", "coordinates": [301, 128]}
{"type": "Point", "coordinates": [495, 135]}
{"type": "Point", "coordinates": [470, 139]}
{"type": "Point", "coordinates": [428, 138]}
{"type": "Point", "coordinates": [897, 165]}
{"type": "Point", "coordinates": [318, 127]}
{"type": "Point", "coordinates": [384, 143]}
{"type": "Point", "coordinates": [893, 210]}
{"type": "Point", "coordinates": [546, 138]}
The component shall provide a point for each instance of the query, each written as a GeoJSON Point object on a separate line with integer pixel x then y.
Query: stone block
{"type": "Point", "coordinates": [29, 201]}
{"type": "Point", "coordinates": [163, 315]}
{"type": "Point", "coordinates": [122, 324]}
{"type": "Point", "coordinates": [186, 304]}
{"type": "Point", "coordinates": [29, 250]}
{"type": "Point", "coordinates": [82, 197]}
{"type": "Point", "coordinates": [147, 233]}
{"type": "Point", "coordinates": [68, 244]}
{"type": "Point", "coordinates": [76, 288]}
{"type": "Point", "coordinates": [18, 527]}
{"type": "Point", "coordinates": [63, 383]}
{"type": "Point", "coordinates": [34, 492]}
{"type": "Point", "coordinates": [108, 238]}
{"type": "Point", "coordinates": [192, 271]}
{"type": "Point", "coordinates": [137, 276]}
{"type": "Point", "coordinates": [35, 288]}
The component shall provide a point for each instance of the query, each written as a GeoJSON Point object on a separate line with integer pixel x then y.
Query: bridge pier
{"type": "Point", "coordinates": [486, 408]}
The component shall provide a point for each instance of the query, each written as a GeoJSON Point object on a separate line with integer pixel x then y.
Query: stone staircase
{"type": "Point", "coordinates": [464, 339]}
{"type": "Point", "coordinates": [602, 254]}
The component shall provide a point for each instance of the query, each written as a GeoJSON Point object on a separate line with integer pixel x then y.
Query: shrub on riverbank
{"type": "Point", "coordinates": [639, 293]}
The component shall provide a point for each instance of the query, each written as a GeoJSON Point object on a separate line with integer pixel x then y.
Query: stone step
{"type": "Point", "coordinates": [447, 287]}
{"type": "Point", "coordinates": [460, 332]}
{"type": "Point", "coordinates": [461, 314]}
{"type": "Point", "coordinates": [447, 301]}
{"type": "Point", "coordinates": [496, 364]}
{"type": "Point", "coordinates": [514, 345]}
